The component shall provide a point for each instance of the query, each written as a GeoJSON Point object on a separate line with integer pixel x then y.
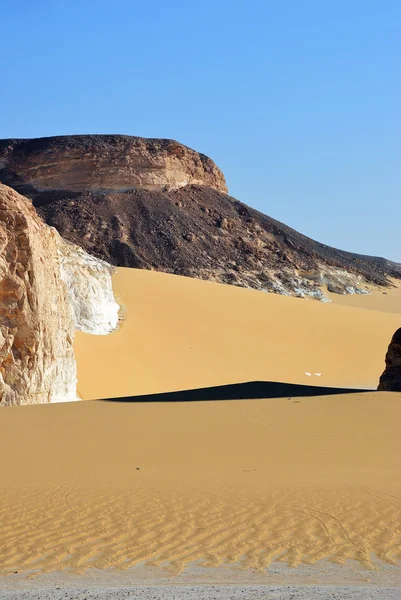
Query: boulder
{"type": "Point", "coordinates": [390, 379]}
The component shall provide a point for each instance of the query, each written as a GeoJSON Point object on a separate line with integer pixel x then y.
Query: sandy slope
{"type": "Point", "coordinates": [381, 299]}
{"type": "Point", "coordinates": [183, 333]}
{"type": "Point", "coordinates": [240, 483]}
{"type": "Point", "coordinates": [107, 484]}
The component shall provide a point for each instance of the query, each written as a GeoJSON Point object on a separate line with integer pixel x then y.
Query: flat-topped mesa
{"type": "Point", "coordinates": [156, 204]}
{"type": "Point", "coordinates": [109, 163]}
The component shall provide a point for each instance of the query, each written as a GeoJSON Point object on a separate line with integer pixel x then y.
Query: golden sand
{"type": "Point", "coordinates": [183, 333]}
{"type": "Point", "coordinates": [381, 299]}
{"type": "Point", "coordinates": [105, 484]}
{"type": "Point", "coordinates": [245, 483]}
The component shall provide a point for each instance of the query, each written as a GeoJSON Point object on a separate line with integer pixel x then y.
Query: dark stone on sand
{"type": "Point", "coordinates": [390, 379]}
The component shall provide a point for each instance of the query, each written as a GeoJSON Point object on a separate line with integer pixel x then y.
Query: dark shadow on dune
{"type": "Point", "coordinates": [239, 391]}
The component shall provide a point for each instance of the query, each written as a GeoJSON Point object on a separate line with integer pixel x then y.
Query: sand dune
{"type": "Point", "coordinates": [107, 484]}
{"type": "Point", "coordinates": [183, 333]}
{"type": "Point", "coordinates": [245, 483]}
{"type": "Point", "coordinates": [381, 299]}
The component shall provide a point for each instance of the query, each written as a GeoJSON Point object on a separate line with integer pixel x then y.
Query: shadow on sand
{"type": "Point", "coordinates": [239, 391]}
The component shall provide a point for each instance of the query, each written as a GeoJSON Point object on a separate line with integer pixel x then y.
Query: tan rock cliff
{"type": "Point", "coordinates": [105, 162]}
{"type": "Point", "coordinates": [48, 289]}
{"type": "Point", "coordinates": [36, 326]}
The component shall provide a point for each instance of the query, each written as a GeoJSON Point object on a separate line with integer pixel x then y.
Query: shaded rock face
{"type": "Point", "coordinates": [48, 289]}
{"type": "Point", "coordinates": [36, 326]}
{"type": "Point", "coordinates": [390, 379]}
{"type": "Point", "coordinates": [114, 163]}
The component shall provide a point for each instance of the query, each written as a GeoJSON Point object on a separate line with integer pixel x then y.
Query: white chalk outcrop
{"type": "Point", "coordinates": [88, 281]}
{"type": "Point", "coordinates": [48, 288]}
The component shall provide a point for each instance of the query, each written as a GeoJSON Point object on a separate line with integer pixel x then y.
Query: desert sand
{"type": "Point", "coordinates": [121, 487]}
{"type": "Point", "coordinates": [380, 298]}
{"type": "Point", "coordinates": [183, 333]}
{"type": "Point", "coordinates": [113, 485]}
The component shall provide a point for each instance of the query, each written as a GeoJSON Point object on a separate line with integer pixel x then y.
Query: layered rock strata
{"type": "Point", "coordinates": [390, 379]}
{"type": "Point", "coordinates": [48, 288]}
{"type": "Point", "coordinates": [113, 163]}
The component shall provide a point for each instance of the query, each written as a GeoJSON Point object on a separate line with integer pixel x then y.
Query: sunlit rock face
{"type": "Point", "coordinates": [88, 282]}
{"type": "Point", "coordinates": [48, 289]}
{"type": "Point", "coordinates": [113, 163]}
{"type": "Point", "coordinates": [37, 362]}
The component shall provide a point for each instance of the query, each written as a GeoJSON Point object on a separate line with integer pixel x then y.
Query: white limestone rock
{"type": "Point", "coordinates": [88, 281]}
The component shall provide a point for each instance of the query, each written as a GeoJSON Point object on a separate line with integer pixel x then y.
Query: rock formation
{"type": "Point", "coordinates": [38, 311]}
{"type": "Point", "coordinates": [155, 204]}
{"type": "Point", "coordinates": [199, 232]}
{"type": "Point", "coordinates": [88, 282]}
{"type": "Point", "coordinates": [36, 325]}
{"type": "Point", "coordinates": [113, 163]}
{"type": "Point", "coordinates": [390, 379]}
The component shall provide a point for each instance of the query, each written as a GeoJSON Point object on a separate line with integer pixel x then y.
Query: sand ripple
{"type": "Point", "coordinates": [70, 528]}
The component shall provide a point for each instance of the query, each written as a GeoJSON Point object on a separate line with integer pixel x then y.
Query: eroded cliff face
{"type": "Point", "coordinates": [36, 326]}
{"type": "Point", "coordinates": [104, 162]}
{"type": "Point", "coordinates": [48, 288]}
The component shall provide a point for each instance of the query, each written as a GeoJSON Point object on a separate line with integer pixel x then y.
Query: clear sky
{"type": "Point", "coordinates": [298, 101]}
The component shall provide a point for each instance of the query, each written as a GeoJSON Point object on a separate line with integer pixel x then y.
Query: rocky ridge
{"type": "Point", "coordinates": [38, 311]}
{"type": "Point", "coordinates": [198, 232]}
{"type": "Point", "coordinates": [187, 226]}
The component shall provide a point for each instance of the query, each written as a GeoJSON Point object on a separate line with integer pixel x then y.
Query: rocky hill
{"type": "Point", "coordinates": [156, 204]}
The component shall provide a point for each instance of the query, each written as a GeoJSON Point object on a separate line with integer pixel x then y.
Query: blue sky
{"type": "Point", "coordinates": [298, 101]}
